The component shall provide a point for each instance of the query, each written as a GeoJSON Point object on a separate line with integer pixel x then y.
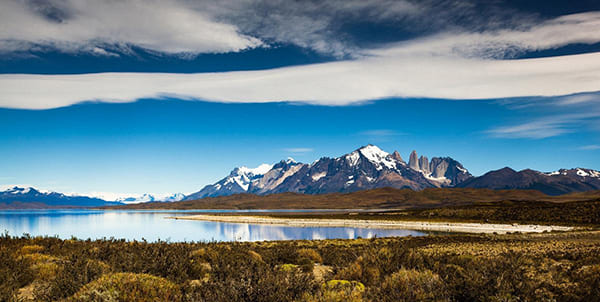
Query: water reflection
{"type": "Point", "coordinates": [153, 226]}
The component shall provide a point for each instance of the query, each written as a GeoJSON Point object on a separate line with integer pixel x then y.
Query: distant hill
{"type": "Point", "coordinates": [30, 198]}
{"type": "Point", "coordinates": [389, 198]}
{"type": "Point", "coordinates": [554, 183]}
{"type": "Point", "coordinates": [151, 198]}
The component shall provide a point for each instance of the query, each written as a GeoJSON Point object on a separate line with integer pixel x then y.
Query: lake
{"type": "Point", "coordinates": [152, 225]}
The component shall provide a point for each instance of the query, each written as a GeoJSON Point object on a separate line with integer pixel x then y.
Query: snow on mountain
{"type": "Point", "coordinates": [238, 181]}
{"type": "Point", "coordinates": [375, 155]}
{"type": "Point", "coordinates": [29, 197]}
{"type": "Point", "coordinates": [364, 168]}
{"type": "Point", "coordinates": [576, 171]}
{"type": "Point", "coordinates": [553, 183]}
{"type": "Point", "coordinates": [173, 197]}
{"type": "Point", "coordinates": [152, 198]}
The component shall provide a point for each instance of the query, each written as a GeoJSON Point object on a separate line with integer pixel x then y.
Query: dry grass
{"type": "Point", "coordinates": [383, 198]}
{"type": "Point", "coordinates": [514, 267]}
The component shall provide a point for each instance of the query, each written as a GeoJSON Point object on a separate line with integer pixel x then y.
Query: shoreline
{"type": "Point", "coordinates": [452, 227]}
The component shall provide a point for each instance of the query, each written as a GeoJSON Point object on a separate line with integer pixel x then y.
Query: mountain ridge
{"type": "Point", "coordinates": [369, 167]}
{"type": "Point", "coordinates": [559, 182]}
{"type": "Point", "coordinates": [29, 197]}
{"type": "Point", "coordinates": [365, 168]}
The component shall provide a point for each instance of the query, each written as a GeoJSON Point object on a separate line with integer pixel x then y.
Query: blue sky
{"type": "Point", "coordinates": [134, 107]}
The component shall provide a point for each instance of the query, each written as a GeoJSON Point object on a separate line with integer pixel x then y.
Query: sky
{"type": "Point", "coordinates": [121, 98]}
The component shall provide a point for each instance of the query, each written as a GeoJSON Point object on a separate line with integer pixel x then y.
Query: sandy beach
{"type": "Point", "coordinates": [383, 224]}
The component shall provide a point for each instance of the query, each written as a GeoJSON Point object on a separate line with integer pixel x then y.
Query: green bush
{"type": "Point", "coordinates": [129, 287]}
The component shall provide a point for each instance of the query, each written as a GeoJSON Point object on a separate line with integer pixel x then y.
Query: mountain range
{"type": "Point", "coordinates": [151, 198]}
{"type": "Point", "coordinates": [18, 197]}
{"type": "Point", "coordinates": [368, 167]}
{"type": "Point", "coordinates": [553, 183]}
{"type": "Point", "coordinates": [365, 168]}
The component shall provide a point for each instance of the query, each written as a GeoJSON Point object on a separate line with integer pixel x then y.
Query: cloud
{"type": "Point", "coordinates": [298, 150]}
{"type": "Point", "coordinates": [445, 66]}
{"type": "Point", "coordinates": [548, 126]}
{"type": "Point", "coordinates": [185, 26]}
{"type": "Point", "coordinates": [380, 135]}
{"type": "Point", "coordinates": [83, 25]}
{"type": "Point", "coordinates": [590, 147]}
{"type": "Point", "coordinates": [583, 99]}
{"type": "Point", "coordinates": [505, 43]}
{"type": "Point", "coordinates": [337, 83]}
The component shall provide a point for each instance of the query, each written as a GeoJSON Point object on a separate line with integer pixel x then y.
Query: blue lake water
{"type": "Point", "coordinates": [152, 226]}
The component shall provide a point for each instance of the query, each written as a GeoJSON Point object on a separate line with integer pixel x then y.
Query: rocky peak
{"type": "Point", "coordinates": [413, 161]}
{"type": "Point", "coordinates": [284, 164]}
{"type": "Point", "coordinates": [424, 164]}
{"type": "Point", "coordinates": [397, 157]}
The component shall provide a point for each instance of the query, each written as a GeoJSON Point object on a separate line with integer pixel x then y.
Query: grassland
{"type": "Point", "coordinates": [383, 198]}
{"type": "Point", "coordinates": [514, 267]}
{"type": "Point", "coordinates": [573, 213]}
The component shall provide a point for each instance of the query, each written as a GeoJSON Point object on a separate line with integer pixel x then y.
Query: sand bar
{"type": "Point", "coordinates": [382, 224]}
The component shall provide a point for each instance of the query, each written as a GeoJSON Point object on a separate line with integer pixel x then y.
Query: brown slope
{"type": "Point", "coordinates": [366, 199]}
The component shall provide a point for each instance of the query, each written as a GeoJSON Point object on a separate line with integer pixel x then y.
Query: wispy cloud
{"type": "Point", "coordinates": [450, 65]}
{"type": "Point", "coordinates": [298, 150]}
{"type": "Point", "coordinates": [230, 25]}
{"type": "Point", "coordinates": [86, 25]}
{"type": "Point", "coordinates": [337, 83]}
{"type": "Point", "coordinates": [590, 147]}
{"type": "Point", "coordinates": [545, 127]}
{"type": "Point", "coordinates": [380, 135]}
{"type": "Point", "coordinates": [583, 98]}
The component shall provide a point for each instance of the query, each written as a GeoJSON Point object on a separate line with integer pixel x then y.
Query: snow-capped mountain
{"type": "Point", "coordinates": [552, 183]}
{"type": "Point", "coordinates": [365, 168]}
{"type": "Point", "coordinates": [238, 181]}
{"type": "Point", "coordinates": [152, 198]}
{"type": "Point", "coordinates": [28, 197]}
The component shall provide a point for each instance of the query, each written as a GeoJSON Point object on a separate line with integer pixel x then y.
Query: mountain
{"type": "Point", "coordinates": [552, 183]}
{"type": "Point", "coordinates": [152, 198]}
{"type": "Point", "coordinates": [18, 197]}
{"type": "Point", "coordinates": [238, 181]}
{"type": "Point", "coordinates": [368, 167]}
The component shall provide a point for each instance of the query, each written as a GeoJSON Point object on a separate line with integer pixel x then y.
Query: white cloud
{"type": "Point", "coordinates": [590, 147]}
{"type": "Point", "coordinates": [442, 67]}
{"type": "Point", "coordinates": [380, 135]}
{"type": "Point", "coordinates": [564, 30]}
{"type": "Point", "coordinates": [545, 127]}
{"type": "Point", "coordinates": [338, 83]}
{"type": "Point", "coordinates": [577, 99]}
{"type": "Point", "coordinates": [200, 26]}
{"type": "Point", "coordinates": [164, 26]}
{"type": "Point", "coordinates": [299, 150]}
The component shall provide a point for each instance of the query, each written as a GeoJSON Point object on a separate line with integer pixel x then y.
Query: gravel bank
{"type": "Point", "coordinates": [379, 224]}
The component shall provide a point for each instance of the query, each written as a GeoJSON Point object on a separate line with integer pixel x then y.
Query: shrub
{"type": "Point", "coordinates": [70, 277]}
{"type": "Point", "coordinates": [129, 287]}
{"type": "Point", "coordinates": [15, 272]}
{"type": "Point", "coordinates": [340, 291]}
{"type": "Point", "coordinates": [412, 285]}
{"type": "Point", "coordinates": [31, 248]}
{"type": "Point", "coordinates": [310, 254]}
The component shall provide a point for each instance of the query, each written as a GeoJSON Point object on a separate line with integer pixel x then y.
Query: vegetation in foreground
{"type": "Point", "coordinates": [515, 267]}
